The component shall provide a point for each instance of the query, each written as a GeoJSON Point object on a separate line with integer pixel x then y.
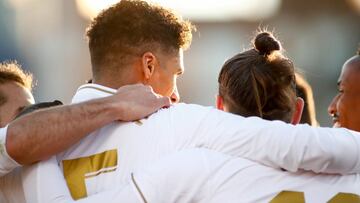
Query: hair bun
{"type": "Point", "coordinates": [266, 43]}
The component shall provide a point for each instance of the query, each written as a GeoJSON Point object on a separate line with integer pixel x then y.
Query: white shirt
{"type": "Point", "coordinates": [7, 164]}
{"type": "Point", "coordinates": [11, 190]}
{"type": "Point", "coordinates": [105, 158]}
{"type": "Point", "coordinates": [204, 176]}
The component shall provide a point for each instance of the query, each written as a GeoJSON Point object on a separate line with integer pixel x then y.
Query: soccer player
{"type": "Point", "coordinates": [39, 135]}
{"type": "Point", "coordinates": [15, 91]}
{"type": "Point", "coordinates": [25, 137]}
{"type": "Point", "coordinates": [134, 41]}
{"type": "Point", "coordinates": [247, 84]}
{"type": "Point", "coordinates": [345, 108]}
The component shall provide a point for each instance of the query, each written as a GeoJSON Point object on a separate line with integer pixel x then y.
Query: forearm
{"type": "Point", "coordinates": [40, 134]}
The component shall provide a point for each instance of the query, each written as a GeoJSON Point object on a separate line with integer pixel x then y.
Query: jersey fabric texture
{"type": "Point", "coordinates": [11, 190]}
{"type": "Point", "coordinates": [104, 160]}
{"type": "Point", "coordinates": [200, 175]}
{"type": "Point", "coordinates": [7, 164]}
{"type": "Point", "coordinates": [10, 181]}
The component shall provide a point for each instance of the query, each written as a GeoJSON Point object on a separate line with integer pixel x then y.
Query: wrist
{"type": "Point", "coordinates": [113, 108]}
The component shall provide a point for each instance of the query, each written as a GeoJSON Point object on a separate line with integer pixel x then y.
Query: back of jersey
{"type": "Point", "coordinates": [104, 159]}
{"type": "Point", "coordinates": [240, 180]}
{"type": "Point", "coordinates": [203, 176]}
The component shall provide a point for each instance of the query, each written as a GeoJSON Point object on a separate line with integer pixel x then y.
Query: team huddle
{"type": "Point", "coordinates": [126, 137]}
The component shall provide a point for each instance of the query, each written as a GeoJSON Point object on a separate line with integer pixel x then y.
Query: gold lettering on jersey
{"type": "Point", "coordinates": [298, 197]}
{"type": "Point", "coordinates": [76, 170]}
{"type": "Point", "coordinates": [345, 197]}
{"type": "Point", "coordinates": [289, 196]}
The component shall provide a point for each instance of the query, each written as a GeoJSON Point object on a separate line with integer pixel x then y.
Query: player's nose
{"type": "Point", "coordinates": [332, 106]}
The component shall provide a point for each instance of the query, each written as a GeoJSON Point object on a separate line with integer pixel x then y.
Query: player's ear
{"type": "Point", "coordinates": [219, 102]}
{"type": "Point", "coordinates": [299, 106]}
{"type": "Point", "coordinates": [148, 65]}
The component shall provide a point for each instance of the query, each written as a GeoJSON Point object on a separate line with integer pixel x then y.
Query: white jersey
{"type": "Point", "coordinates": [203, 176]}
{"type": "Point", "coordinates": [11, 190]}
{"type": "Point", "coordinates": [7, 164]}
{"type": "Point", "coordinates": [106, 157]}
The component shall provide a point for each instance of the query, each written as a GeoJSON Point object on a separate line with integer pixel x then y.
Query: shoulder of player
{"type": "Point", "coordinates": [91, 91]}
{"type": "Point", "coordinates": [180, 115]}
{"type": "Point", "coordinates": [186, 109]}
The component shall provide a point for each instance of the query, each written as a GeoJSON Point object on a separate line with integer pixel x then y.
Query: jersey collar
{"type": "Point", "coordinates": [92, 91]}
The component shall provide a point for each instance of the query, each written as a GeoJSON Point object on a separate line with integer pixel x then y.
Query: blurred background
{"type": "Point", "coordinates": [47, 38]}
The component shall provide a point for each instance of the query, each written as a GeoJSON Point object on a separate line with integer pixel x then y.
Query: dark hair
{"type": "Point", "coordinates": [11, 71]}
{"type": "Point", "coordinates": [260, 81]}
{"type": "Point", "coordinates": [303, 90]}
{"type": "Point", "coordinates": [131, 28]}
{"type": "Point", "coordinates": [38, 106]}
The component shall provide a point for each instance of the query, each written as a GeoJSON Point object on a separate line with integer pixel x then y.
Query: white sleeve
{"type": "Point", "coordinates": [44, 183]}
{"type": "Point", "coordinates": [7, 164]}
{"type": "Point", "coordinates": [273, 143]}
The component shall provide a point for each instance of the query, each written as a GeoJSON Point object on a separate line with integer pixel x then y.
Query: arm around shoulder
{"type": "Point", "coordinates": [280, 145]}
{"type": "Point", "coordinates": [41, 134]}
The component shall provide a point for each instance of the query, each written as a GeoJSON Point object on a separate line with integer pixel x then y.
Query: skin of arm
{"type": "Point", "coordinates": [41, 134]}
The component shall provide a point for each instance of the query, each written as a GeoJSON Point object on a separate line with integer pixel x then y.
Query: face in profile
{"type": "Point", "coordinates": [164, 80]}
{"type": "Point", "coordinates": [17, 97]}
{"type": "Point", "coordinates": [345, 107]}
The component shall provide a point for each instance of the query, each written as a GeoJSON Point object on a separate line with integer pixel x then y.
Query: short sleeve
{"type": "Point", "coordinates": [7, 164]}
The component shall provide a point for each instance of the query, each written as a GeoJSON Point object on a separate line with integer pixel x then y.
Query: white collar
{"type": "Point", "coordinates": [92, 91]}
